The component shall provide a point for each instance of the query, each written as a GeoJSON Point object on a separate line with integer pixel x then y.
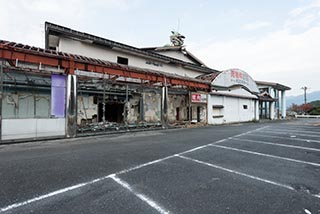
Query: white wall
{"type": "Point", "coordinates": [98, 52]}
{"type": "Point", "coordinates": [13, 129]}
{"type": "Point", "coordinates": [233, 110]}
{"type": "Point", "coordinates": [176, 55]}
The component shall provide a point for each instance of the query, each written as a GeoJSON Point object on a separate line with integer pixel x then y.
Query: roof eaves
{"type": "Point", "coordinates": [273, 84]}
{"type": "Point", "coordinates": [50, 27]}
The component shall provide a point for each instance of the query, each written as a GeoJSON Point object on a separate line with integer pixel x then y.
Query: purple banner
{"type": "Point", "coordinates": [58, 95]}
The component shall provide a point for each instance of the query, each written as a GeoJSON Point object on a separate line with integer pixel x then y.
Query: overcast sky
{"type": "Point", "coordinates": [272, 40]}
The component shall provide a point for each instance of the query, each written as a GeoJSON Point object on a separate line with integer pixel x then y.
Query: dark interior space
{"type": "Point", "coordinates": [113, 112]}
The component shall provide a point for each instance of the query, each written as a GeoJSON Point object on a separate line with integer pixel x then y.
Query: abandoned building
{"type": "Point", "coordinates": [83, 84]}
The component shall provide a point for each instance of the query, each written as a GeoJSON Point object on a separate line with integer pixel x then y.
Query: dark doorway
{"type": "Point", "coordinates": [113, 112]}
{"type": "Point", "coordinates": [100, 112]}
{"type": "Point", "coordinates": [189, 113]}
{"type": "Point", "coordinates": [177, 114]}
{"type": "Point", "coordinates": [198, 114]}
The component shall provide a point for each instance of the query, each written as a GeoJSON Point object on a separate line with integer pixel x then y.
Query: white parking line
{"type": "Point", "coordinates": [57, 192]}
{"type": "Point", "coordinates": [244, 174]}
{"type": "Point", "coordinates": [249, 132]}
{"type": "Point", "coordinates": [236, 172]}
{"type": "Point", "coordinates": [266, 155]}
{"type": "Point", "coordinates": [295, 130]}
{"type": "Point", "coordinates": [12, 206]}
{"type": "Point", "coordinates": [291, 133]}
{"type": "Point", "coordinates": [286, 138]}
{"type": "Point", "coordinates": [276, 144]}
{"type": "Point", "coordinates": [143, 197]}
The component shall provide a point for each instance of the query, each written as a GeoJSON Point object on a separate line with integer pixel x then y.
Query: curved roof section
{"type": "Point", "coordinates": [231, 78]}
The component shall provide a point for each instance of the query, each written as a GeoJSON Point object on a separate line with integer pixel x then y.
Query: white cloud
{"type": "Point", "coordinates": [23, 21]}
{"type": "Point", "coordinates": [256, 25]}
{"type": "Point", "coordinates": [304, 21]}
{"type": "Point", "coordinates": [286, 56]}
{"type": "Point", "coordinates": [300, 10]}
{"type": "Point", "coordinates": [280, 57]}
{"type": "Point", "coordinates": [304, 17]}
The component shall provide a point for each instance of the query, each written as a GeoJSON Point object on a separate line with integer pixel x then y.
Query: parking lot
{"type": "Point", "coordinates": [269, 168]}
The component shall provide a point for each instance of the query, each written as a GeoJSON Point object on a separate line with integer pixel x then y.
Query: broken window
{"type": "Point", "coordinates": [26, 96]}
{"type": "Point", "coordinates": [122, 60]}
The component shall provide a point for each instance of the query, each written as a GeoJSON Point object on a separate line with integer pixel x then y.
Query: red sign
{"type": "Point", "coordinates": [239, 77]}
{"type": "Point", "coordinates": [198, 98]}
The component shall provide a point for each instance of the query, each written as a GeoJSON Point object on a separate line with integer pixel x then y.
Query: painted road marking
{"type": "Point", "coordinates": [236, 172]}
{"type": "Point", "coordinates": [290, 133]}
{"type": "Point", "coordinates": [142, 197]}
{"type": "Point", "coordinates": [286, 138]}
{"type": "Point", "coordinates": [57, 192]}
{"type": "Point", "coordinates": [266, 155]}
{"type": "Point", "coordinates": [244, 174]}
{"type": "Point", "coordinates": [275, 144]}
{"type": "Point", "coordinates": [12, 206]}
{"type": "Point", "coordinates": [295, 130]}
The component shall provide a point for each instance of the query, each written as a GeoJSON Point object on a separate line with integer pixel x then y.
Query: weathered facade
{"type": "Point", "coordinates": [54, 94]}
{"type": "Point", "coordinates": [83, 84]}
{"type": "Point", "coordinates": [174, 60]}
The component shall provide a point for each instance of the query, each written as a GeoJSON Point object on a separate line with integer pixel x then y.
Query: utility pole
{"type": "Point", "coordinates": [305, 88]}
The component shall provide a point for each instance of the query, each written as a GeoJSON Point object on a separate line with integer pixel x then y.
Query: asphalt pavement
{"type": "Point", "coordinates": [271, 167]}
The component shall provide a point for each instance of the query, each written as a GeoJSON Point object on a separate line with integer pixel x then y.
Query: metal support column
{"type": "Point", "coordinates": [141, 107]}
{"type": "Point", "coordinates": [283, 104]}
{"type": "Point", "coordinates": [164, 106]}
{"type": "Point", "coordinates": [1, 94]}
{"type": "Point", "coordinates": [71, 120]}
{"type": "Point", "coordinates": [190, 107]}
{"type": "Point", "coordinates": [104, 103]}
{"type": "Point", "coordinates": [126, 107]}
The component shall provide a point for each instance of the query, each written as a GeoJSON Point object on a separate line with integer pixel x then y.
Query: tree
{"type": "Point", "coordinates": [294, 107]}
{"type": "Point", "coordinates": [306, 108]}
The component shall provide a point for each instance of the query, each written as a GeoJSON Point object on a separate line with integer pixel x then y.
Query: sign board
{"type": "Point", "coordinates": [233, 77]}
{"type": "Point", "coordinates": [198, 98]}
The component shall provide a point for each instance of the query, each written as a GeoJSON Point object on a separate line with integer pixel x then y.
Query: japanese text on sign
{"type": "Point", "coordinates": [239, 77]}
{"type": "Point", "coordinates": [198, 98]}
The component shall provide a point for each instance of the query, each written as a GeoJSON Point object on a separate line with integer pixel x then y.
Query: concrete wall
{"type": "Point", "coordinates": [133, 109]}
{"type": "Point", "coordinates": [32, 128]}
{"type": "Point", "coordinates": [99, 52]}
{"type": "Point", "coordinates": [233, 109]}
{"type": "Point", "coordinates": [152, 107]}
{"type": "Point", "coordinates": [174, 102]}
{"type": "Point", "coordinates": [86, 108]}
{"type": "Point", "coordinates": [176, 55]}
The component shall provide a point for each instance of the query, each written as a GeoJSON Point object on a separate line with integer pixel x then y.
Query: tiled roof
{"type": "Point", "coordinates": [83, 59]}
{"type": "Point", "coordinates": [209, 77]}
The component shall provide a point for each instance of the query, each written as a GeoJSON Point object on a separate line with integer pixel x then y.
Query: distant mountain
{"type": "Point", "coordinates": [316, 103]}
{"type": "Point", "coordinates": [313, 96]}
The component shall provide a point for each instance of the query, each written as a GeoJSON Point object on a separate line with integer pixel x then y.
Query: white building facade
{"type": "Point", "coordinates": [234, 97]}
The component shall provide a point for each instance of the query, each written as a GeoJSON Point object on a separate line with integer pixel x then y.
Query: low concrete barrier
{"type": "Point", "coordinates": [307, 116]}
